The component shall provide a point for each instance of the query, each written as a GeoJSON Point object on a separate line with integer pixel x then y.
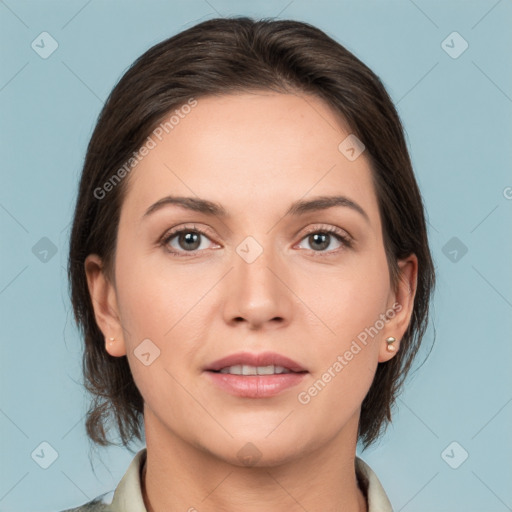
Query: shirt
{"type": "Point", "coordinates": [127, 496]}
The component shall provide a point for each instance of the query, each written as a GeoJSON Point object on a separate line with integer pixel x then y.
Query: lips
{"type": "Point", "coordinates": [261, 359]}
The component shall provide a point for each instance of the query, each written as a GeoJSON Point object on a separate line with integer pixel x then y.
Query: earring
{"type": "Point", "coordinates": [390, 341]}
{"type": "Point", "coordinates": [111, 342]}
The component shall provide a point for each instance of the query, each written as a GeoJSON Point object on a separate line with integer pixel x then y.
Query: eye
{"type": "Point", "coordinates": [188, 241]}
{"type": "Point", "coordinates": [179, 242]}
{"type": "Point", "coordinates": [320, 239]}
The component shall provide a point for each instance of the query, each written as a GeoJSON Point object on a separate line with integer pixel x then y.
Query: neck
{"type": "Point", "coordinates": [179, 476]}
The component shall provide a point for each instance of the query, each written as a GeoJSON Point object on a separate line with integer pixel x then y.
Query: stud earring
{"type": "Point", "coordinates": [111, 342]}
{"type": "Point", "coordinates": [390, 342]}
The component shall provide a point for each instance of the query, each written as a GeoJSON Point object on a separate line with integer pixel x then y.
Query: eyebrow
{"type": "Point", "coordinates": [297, 208]}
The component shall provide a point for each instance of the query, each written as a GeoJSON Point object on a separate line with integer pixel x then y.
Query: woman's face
{"type": "Point", "coordinates": [273, 273]}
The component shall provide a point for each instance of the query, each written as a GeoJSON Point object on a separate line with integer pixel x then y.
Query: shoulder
{"type": "Point", "coordinates": [101, 503]}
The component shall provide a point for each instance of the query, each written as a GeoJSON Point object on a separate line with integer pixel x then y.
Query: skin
{"type": "Point", "coordinates": [255, 154]}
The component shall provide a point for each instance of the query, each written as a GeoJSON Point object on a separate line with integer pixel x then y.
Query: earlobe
{"type": "Point", "coordinates": [115, 347]}
{"type": "Point", "coordinates": [390, 341]}
{"type": "Point", "coordinates": [388, 349]}
{"type": "Point", "coordinates": [104, 303]}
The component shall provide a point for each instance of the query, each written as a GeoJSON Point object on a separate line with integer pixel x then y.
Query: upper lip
{"type": "Point", "coordinates": [261, 359]}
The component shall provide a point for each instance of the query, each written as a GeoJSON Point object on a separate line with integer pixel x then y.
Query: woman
{"type": "Point", "coordinates": [250, 265]}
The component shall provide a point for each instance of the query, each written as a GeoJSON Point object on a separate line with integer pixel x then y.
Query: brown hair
{"type": "Point", "coordinates": [217, 57]}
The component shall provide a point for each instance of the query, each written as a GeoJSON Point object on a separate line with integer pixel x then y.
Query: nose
{"type": "Point", "coordinates": [256, 292]}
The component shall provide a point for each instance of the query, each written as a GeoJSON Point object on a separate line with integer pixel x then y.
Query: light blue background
{"type": "Point", "coordinates": [457, 115]}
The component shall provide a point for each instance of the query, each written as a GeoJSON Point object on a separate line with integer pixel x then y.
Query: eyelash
{"type": "Point", "coordinates": [345, 240]}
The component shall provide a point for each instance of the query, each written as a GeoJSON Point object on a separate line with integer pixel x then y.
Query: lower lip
{"type": "Point", "coordinates": [255, 386]}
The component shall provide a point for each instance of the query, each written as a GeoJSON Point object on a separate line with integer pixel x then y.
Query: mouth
{"type": "Point", "coordinates": [261, 375]}
{"type": "Point", "coordinates": [254, 370]}
{"type": "Point", "coordinates": [264, 363]}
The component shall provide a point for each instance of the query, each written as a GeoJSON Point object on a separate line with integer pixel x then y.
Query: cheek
{"type": "Point", "coordinates": [346, 360]}
{"type": "Point", "coordinates": [351, 298]}
{"type": "Point", "coordinates": [154, 294]}
{"type": "Point", "coordinates": [335, 394]}
{"type": "Point", "coordinates": [351, 303]}
{"type": "Point", "coordinates": [161, 302]}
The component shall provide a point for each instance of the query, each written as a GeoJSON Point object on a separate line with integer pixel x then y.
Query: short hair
{"type": "Point", "coordinates": [231, 55]}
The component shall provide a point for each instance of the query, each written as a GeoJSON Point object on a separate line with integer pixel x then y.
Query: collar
{"type": "Point", "coordinates": [372, 488]}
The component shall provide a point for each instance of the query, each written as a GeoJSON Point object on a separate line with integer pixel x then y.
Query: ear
{"type": "Point", "coordinates": [104, 302]}
{"type": "Point", "coordinates": [400, 307]}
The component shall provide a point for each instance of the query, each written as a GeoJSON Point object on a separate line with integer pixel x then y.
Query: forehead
{"type": "Point", "coordinates": [245, 150]}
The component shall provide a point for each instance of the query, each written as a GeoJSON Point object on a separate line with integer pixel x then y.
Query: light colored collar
{"type": "Point", "coordinates": [128, 494]}
{"type": "Point", "coordinates": [375, 494]}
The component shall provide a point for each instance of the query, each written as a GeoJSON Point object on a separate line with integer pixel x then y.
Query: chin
{"type": "Point", "coordinates": [245, 450]}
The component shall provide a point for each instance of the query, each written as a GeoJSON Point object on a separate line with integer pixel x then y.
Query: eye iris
{"type": "Point", "coordinates": [189, 238]}
{"type": "Point", "coordinates": [321, 238]}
